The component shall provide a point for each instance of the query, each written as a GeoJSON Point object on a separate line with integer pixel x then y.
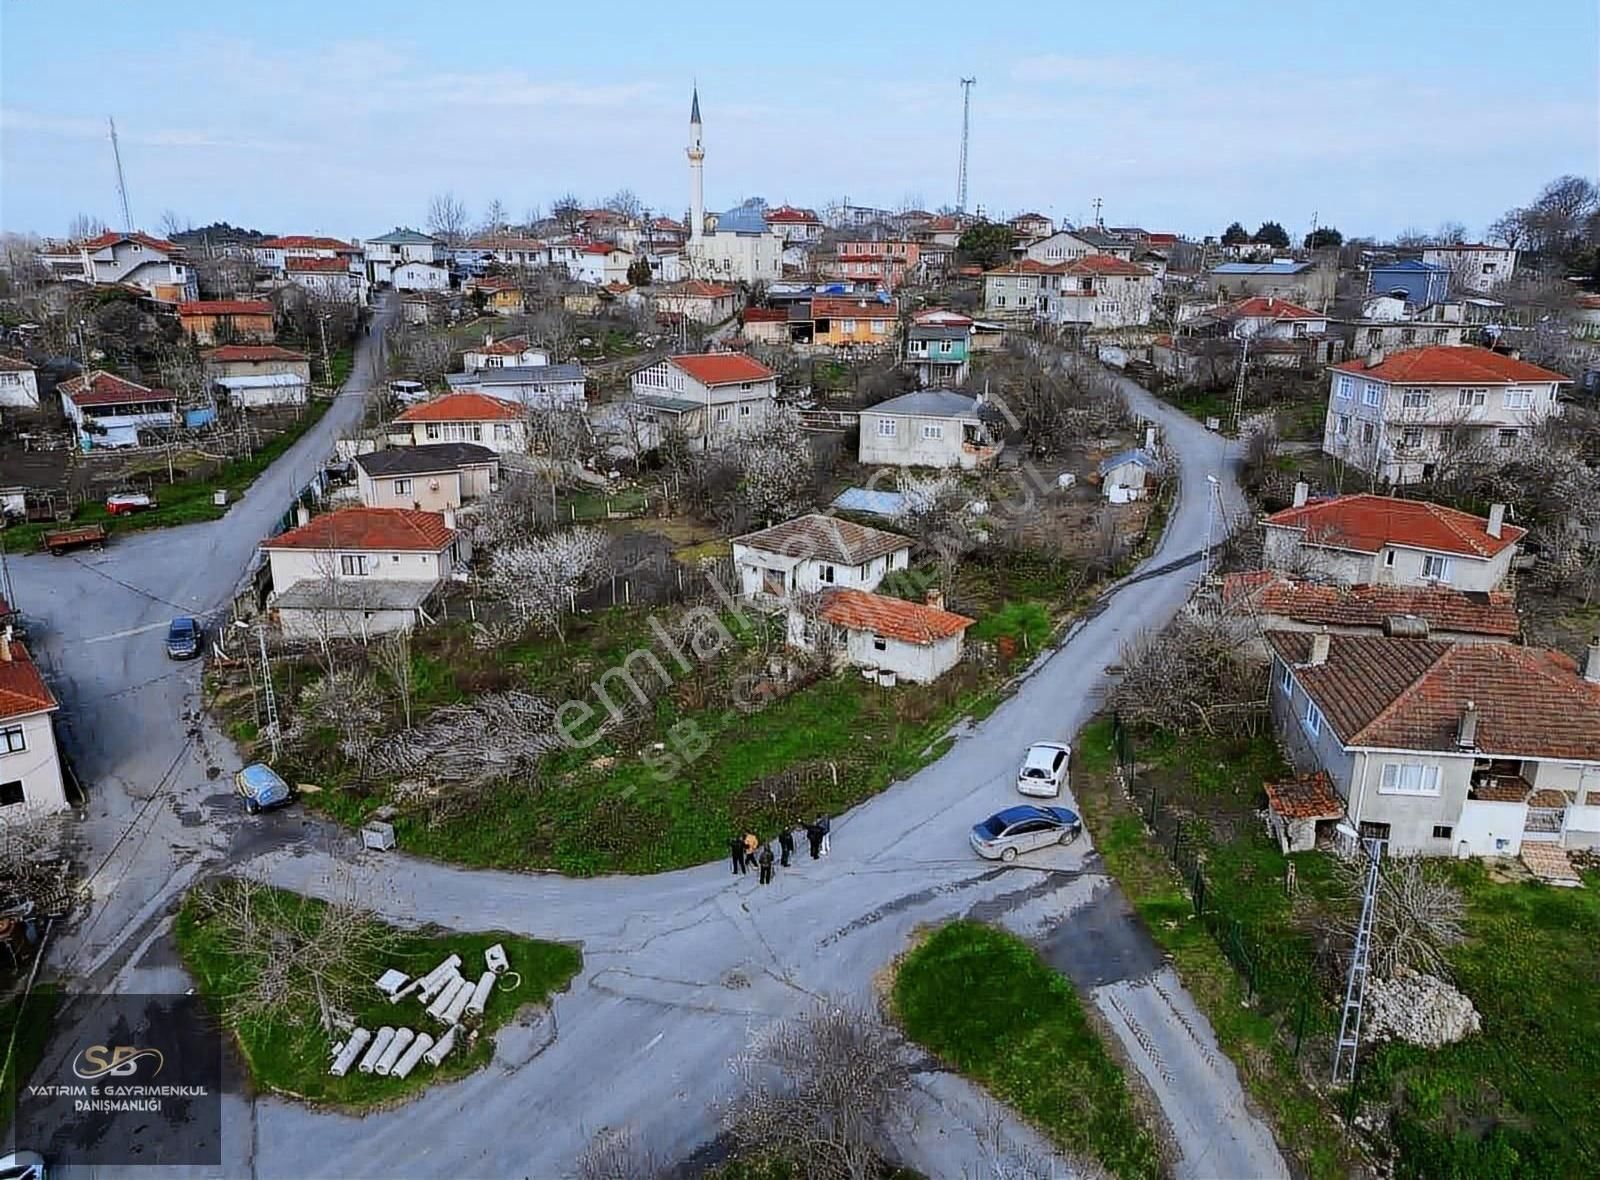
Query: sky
{"type": "Point", "coordinates": [345, 117]}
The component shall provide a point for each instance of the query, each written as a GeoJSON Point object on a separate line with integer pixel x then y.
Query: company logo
{"type": "Point", "coordinates": [114, 1061]}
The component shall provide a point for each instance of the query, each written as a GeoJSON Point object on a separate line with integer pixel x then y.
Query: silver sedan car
{"type": "Point", "coordinates": [1007, 834]}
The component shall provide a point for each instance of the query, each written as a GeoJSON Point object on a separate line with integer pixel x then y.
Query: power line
{"type": "Point", "coordinates": [966, 129]}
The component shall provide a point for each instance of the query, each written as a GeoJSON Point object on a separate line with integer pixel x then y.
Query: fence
{"type": "Point", "coordinates": [1273, 973]}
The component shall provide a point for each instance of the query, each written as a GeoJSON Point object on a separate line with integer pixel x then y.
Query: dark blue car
{"type": "Point", "coordinates": [183, 639]}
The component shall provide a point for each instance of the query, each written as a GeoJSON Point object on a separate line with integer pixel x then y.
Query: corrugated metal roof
{"type": "Point", "coordinates": [871, 502]}
{"type": "Point", "coordinates": [929, 403]}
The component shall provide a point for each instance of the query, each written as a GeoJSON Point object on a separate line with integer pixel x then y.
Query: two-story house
{"type": "Point", "coordinates": [1096, 291]}
{"type": "Point", "coordinates": [505, 353]}
{"type": "Point", "coordinates": [1031, 226]}
{"type": "Point", "coordinates": [1379, 539]}
{"type": "Point", "coordinates": [795, 225]}
{"type": "Point", "coordinates": [327, 278]}
{"type": "Point", "coordinates": [600, 263]}
{"type": "Point", "coordinates": [1445, 749]}
{"type": "Point", "coordinates": [532, 386]}
{"type": "Point", "coordinates": [929, 428]}
{"type": "Point", "coordinates": [466, 417]}
{"type": "Point", "coordinates": [815, 552]}
{"type": "Point", "coordinates": [1418, 283]}
{"type": "Point", "coordinates": [1069, 245]}
{"type": "Point", "coordinates": [939, 354]}
{"type": "Point", "coordinates": [223, 321]}
{"type": "Point", "coordinates": [19, 384]}
{"type": "Point", "coordinates": [398, 247]}
{"type": "Point", "coordinates": [356, 572]}
{"type": "Point", "coordinates": [430, 477]}
{"type": "Point", "coordinates": [250, 375]}
{"type": "Point", "coordinates": [1474, 267]}
{"type": "Point", "coordinates": [30, 766]}
{"type": "Point", "coordinates": [1406, 417]}
{"type": "Point", "coordinates": [110, 411]}
{"type": "Point", "coordinates": [1269, 318]}
{"type": "Point", "coordinates": [710, 396]}
{"type": "Point", "coordinates": [884, 263]}
{"type": "Point", "coordinates": [1014, 290]}
{"type": "Point", "coordinates": [697, 301]}
{"type": "Point", "coordinates": [841, 322]}
{"type": "Point", "coordinates": [154, 264]}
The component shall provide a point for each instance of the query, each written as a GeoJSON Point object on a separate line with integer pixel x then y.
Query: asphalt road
{"type": "Point", "coordinates": [680, 968]}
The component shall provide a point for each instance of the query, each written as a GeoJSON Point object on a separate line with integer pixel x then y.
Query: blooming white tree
{"type": "Point", "coordinates": [537, 578]}
{"type": "Point", "coordinates": [775, 466]}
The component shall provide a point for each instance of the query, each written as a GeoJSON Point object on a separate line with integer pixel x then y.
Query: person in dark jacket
{"type": "Point", "coordinates": [765, 860]}
{"type": "Point", "coordinates": [736, 851]}
{"type": "Point", "coordinates": [814, 840]}
{"type": "Point", "coordinates": [786, 844]}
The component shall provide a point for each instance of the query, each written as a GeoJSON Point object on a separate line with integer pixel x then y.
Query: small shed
{"type": "Point", "coordinates": [263, 389]}
{"type": "Point", "coordinates": [1295, 808]}
{"type": "Point", "coordinates": [1123, 476]}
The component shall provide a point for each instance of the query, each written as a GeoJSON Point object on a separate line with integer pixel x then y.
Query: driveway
{"type": "Point", "coordinates": [681, 968]}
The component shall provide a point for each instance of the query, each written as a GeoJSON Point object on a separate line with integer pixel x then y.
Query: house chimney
{"type": "Point", "coordinates": [1591, 661]}
{"type": "Point", "coordinates": [449, 518]}
{"type": "Point", "coordinates": [1467, 728]}
{"type": "Point", "coordinates": [5, 645]}
{"type": "Point", "coordinates": [1302, 493]}
{"type": "Point", "coordinates": [934, 598]}
{"type": "Point", "coordinates": [302, 515]}
{"type": "Point", "coordinates": [1374, 358]}
{"type": "Point", "coordinates": [1320, 642]}
{"type": "Point", "coordinates": [1497, 518]}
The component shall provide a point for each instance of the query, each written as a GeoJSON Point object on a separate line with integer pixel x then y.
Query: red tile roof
{"type": "Point", "coordinates": [306, 242]}
{"type": "Point", "coordinates": [22, 689]}
{"type": "Point", "coordinates": [600, 248]}
{"type": "Point", "coordinates": [507, 346]}
{"type": "Point", "coordinates": [721, 368]}
{"type": "Point", "coordinates": [1366, 523]}
{"type": "Point", "coordinates": [99, 388]}
{"type": "Point", "coordinates": [893, 618]}
{"type": "Point", "coordinates": [111, 238]}
{"type": "Point", "coordinates": [225, 307]}
{"type": "Point", "coordinates": [369, 528]}
{"type": "Point", "coordinates": [942, 224]}
{"type": "Point", "coordinates": [1266, 308]}
{"type": "Point", "coordinates": [316, 265]}
{"type": "Point", "coordinates": [1451, 364]}
{"type": "Point", "coordinates": [843, 308]}
{"type": "Point", "coordinates": [829, 538]}
{"type": "Point", "coordinates": [698, 289]}
{"type": "Point", "coordinates": [1369, 605]}
{"type": "Point", "coordinates": [764, 315]}
{"type": "Point", "coordinates": [792, 215]}
{"type": "Point", "coordinates": [668, 223]}
{"type": "Point", "coordinates": [1163, 239]}
{"type": "Point", "coordinates": [1104, 264]}
{"type": "Point", "coordinates": [1029, 266]}
{"type": "Point", "coordinates": [494, 283]}
{"type": "Point", "coordinates": [1311, 796]}
{"type": "Point", "coordinates": [1406, 694]}
{"type": "Point", "coordinates": [462, 407]}
{"type": "Point", "coordinates": [253, 352]}
{"type": "Point", "coordinates": [11, 364]}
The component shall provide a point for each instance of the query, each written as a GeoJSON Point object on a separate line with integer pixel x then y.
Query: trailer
{"type": "Point", "coordinates": [92, 536]}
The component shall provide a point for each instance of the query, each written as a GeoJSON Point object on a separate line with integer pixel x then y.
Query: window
{"type": "Point", "coordinates": [944, 346]}
{"type": "Point", "coordinates": [879, 327]}
{"type": "Point", "coordinates": [1411, 438]}
{"type": "Point", "coordinates": [1442, 831]}
{"type": "Point", "coordinates": [1468, 399]}
{"type": "Point", "coordinates": [1312, 719]}
{"type": "Point", "coordinates": [1341, 425]}
{"type": "Point", "coordinates": [1369, 433]}
{"type": "Point", "coordinates": [431, 430]}
{"type": "Point", "coordinates": [1371, 394]}
{"type": "Point", "coordinates": [1388, 559]}
{"type": "Point", "coordinates": [825, 574]}
{"type": "Point", "coordinates": [353, 565]}
{"type": "Point", "coordinates": [13, 740]}
{"type": "Point", "coordinates": [11, 794]}
{"type": "Point", "coordinates": [1286, 680]}
{"type": "Point", "coordinates": [1436, 567]}
{"type": "Point", "coordinates": [745, 386]}
{"type": "Point", "coordinates": [402, 487]}
{"type": "Point", "coordinates": [1000, 301]}
{"type": "Point", "coordinates": [1415, 399]}
{"type": "Point", "coordinates": [1519, 399]}
{"type": "Point", "coordinates": [1408, 778]}
{"type": "Point", "coordinates": [879, 643]}
{"type": "Point", "coordinates": [1507, 438]}
{"type": "Point", "coordinates": [502, 431]}
{"type": "Point", "coordinates": [932, 430]}
{"type": "Point", "coordinates": [1408, 336]}
{"type": "Point", "coordinates": [847, 325]}
{"type": "Point", "coordinates": [887, 427]}
{"type": "Point", "coordinates": [723, 413]}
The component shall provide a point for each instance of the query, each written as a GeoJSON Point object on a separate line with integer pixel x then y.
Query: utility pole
{"type": "Point", "coordinates": [966, 129]}
{"type": "Point", "coordinates": [122, 183]}
{"type": "Point", "coordinates": [1238, 385]}
{"type": "Point", "coordinates": [1355, 987]}
{"type": "Point", "coordinates": [1099, 222]}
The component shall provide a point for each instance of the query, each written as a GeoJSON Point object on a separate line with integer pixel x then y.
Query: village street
{"type": "Point", "coordinates": [678, 968]}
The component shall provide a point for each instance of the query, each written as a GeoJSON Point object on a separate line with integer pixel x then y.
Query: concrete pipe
{"type": "Point", "coordinates": [349, 1051]}
{"type": "Point", "coordinates": [402, 1040]}
{"type": "Point", "coordinates": [412, 1055]}
{"type": "Point", "coordinates": [369, 1059]}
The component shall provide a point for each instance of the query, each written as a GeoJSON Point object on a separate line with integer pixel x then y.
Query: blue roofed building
{"type": "Point", "coordinates": [1421, 284]}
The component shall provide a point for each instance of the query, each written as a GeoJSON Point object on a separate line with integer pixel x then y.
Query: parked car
{"type": "Point", "coordinates": [122, 503]}
{"type": "Point", "coordinates": [262, 788]}
{"type": "Point", "coordinates": [183, 638]}
{"type": "Point", "coordinates": [23, 1165]}
{"type": "Point", "coordinates": [1044, 769]}
{"type": "Point", "coordinates": [1006, 834]}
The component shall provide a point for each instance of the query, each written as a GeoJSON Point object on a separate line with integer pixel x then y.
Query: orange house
{"type": "Point", "coordinates": [840, 321]}
{"type": "Point", "coordinates": [226, 321]}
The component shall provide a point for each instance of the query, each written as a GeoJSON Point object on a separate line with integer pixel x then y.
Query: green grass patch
{"type": "Point", "coordinates": [983, 1001]}
{"type": "Point", "coordinates": [1027, 624]}
{"type": "Point", "coordinates": [25, 1026]}
{"type": "Point", "coordinates": [293, 1059]}
{"type": "Point", "coordinates": [587, 505]}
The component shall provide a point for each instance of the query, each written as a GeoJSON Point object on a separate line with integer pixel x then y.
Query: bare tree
{"type": "Point", "coordinates": [1193, 676]}
{"type": "Point", "coordinates": [538, 578]}
{"type": "Point", "coordinates": [85, 225]}
{"type": "Point", "coordinates": [938, 515]}
{"type": "Point", "coordinates": [424, 356]}
{"type": "Point", "coordinates": [1450, 233]}
{"type": "Point", "coordinates": [822, 1089]}
{"type": "Point", "coordinates": [447, 218]}
{"type": "Point", "coordinates": [495, 218]}
{"type": "Point", "coordinates": [568, 212]}
{"type": "Point", "coordinates": [626, 203]}
{"type": "Point", "coordinates": [1510, 227]}
{"type": "Point", "coordinates": [172, 224]}
{"type": "Point", "coordinates": [1420, 913]}
{"type": "Point", "coordinates": [346, 702]}
{"type": "Point", "coordinates": [554, 330]}
{"type": "Point", "coordinates": [393, 657]}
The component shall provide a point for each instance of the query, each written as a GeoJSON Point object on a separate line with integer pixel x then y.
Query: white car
{"type": "Point", "coordinates": [1044, 769]}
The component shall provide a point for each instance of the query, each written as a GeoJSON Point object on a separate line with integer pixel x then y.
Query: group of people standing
{"type": "Point", "coordinates": [751, 852]}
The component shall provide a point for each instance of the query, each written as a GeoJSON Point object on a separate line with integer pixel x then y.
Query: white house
{"type": "Point", "coordinates": [467, 417]}
{"type": "Point", "coordinates": [697, 301]}
{"type": "Point", "coordinates": [30, 767]}
{"type": "Point", "coordinates": [1123, 477]}
{"type": "Point", "coordinates": [534, 386]}
{"type": "Point", "coordinates": [1378, 539]}
{"type": "Point", "coordinates": [420, 276]}
{"type": "Point", "coordinates": [1097, 291]}
{"type": "Point", "coordinates": [1474, 267]}
{"type": "Point", "coordinates": [109, 411]}
{"type": "Point", "coordinates": [334, 278]}
{"type": "Point", "coordinates": [1445, 749]}
{"type": "Point", "coordinates": [929, 428]}
{"type": "Point", "coordinates": [385, 253]}
{"type": "Point", "coordinates": [274, 255]}
{"type": "Point", "coordinates": [1398, 418]}
{"type": "Point", "coordinates": [915, 641]}
{"type": "Point", "coordinates": [795, 225]}
{"type": "Point", "coordinates": [19, 384]}
{"type": "Point", "coordinates": [430, 477]}
{"type": "Point", "coordinates": [155, 264]}
{"type": "Point", "coordinates": [710, 396]}
{"type": "Point", "coordinates": [600, 263]}
{"type": "Point", "coordinates": [815, 552]}
{"type": "Point", "coordinates": [362, 571]}
{"type": "Point", "coordinates": [1269, 318]}
{"type": "Point", "coordinates": [509, 352]}
{"type": "Point", "coordinates": [1069, 245]}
